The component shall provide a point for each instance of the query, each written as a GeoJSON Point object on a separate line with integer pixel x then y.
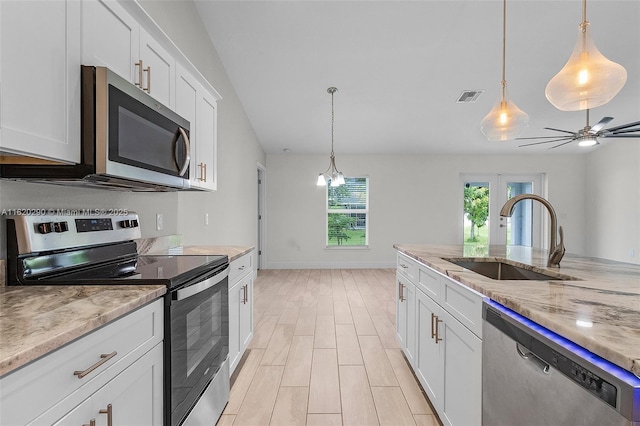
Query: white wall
{"type": "Point", "coordinates": [413, 199]}
{"type": "Point", "coordinates": [231, 209]}
{"type": "Point", "coordinates": [613, 201]}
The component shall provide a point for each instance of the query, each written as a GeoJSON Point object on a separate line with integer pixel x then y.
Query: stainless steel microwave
{"type": "Point", "coordinates": [130, 141]}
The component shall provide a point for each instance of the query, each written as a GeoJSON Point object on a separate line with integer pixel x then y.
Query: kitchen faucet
{"type": "Point", "coordinates": [555, 251]}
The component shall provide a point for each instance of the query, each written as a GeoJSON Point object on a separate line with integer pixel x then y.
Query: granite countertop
{"type": "Point", "coordinates": [600, 311]}
{"type": "Point", "coordinates": [35, 320]}
{"type": "Point", "coordinates": [233, 252]}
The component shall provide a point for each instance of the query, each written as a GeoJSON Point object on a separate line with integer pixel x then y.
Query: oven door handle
{"type": "Point", "coordinates": [201, 286]}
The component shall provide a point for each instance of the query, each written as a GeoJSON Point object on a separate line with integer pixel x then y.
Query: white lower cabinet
{"type": "Point", "coordinates": [240, 308]}
{"type": "Point", "coordinates": [447, 354]}
{"type": "Point", "coordinates": [134, 397]}
{"type": "Point", "coordinates": [117, 369]}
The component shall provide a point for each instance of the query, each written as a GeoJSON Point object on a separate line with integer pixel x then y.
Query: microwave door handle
{"type": "Point", "coordinates": [187, 146]}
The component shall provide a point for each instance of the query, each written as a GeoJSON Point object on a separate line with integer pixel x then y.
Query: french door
{"type": "Point", "coordinates": [483, 195]}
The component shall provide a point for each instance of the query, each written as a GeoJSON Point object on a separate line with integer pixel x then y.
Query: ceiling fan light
{"type": "Point", "coordinates": [588, 141]}
{"type": "Point", "coordinates": [588, 79]}
{"type": "Point", "coordinates": [321, 180]}
{"type": "Point", "coordinates": [505, 121]}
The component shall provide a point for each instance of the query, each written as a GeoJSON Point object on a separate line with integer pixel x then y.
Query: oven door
{"type": "Point", "coordinates": [197, 343]}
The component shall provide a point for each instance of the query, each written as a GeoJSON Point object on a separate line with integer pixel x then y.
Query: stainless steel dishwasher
{"type": "Point", "coordinates": [532, 376]}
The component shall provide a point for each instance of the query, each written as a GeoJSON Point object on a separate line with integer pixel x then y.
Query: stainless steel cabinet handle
{"type": "Point", "coordinates": [104, 358]}
{"type": "Point", "coordinates": [433, 330]}
{"type": "Point", "coordinates": [187, 146]}
{"type": "Point", "coordinates": [139, 66]}
{"type": "Point", "coordinates": [241, 268]}
{"type": "Point", "coordinates": [203, 172]}
{"type": "Point", "coordinates": [245, 294]}
{"type": "Point", "coordinates": [401, 292]}
{"type": "Point", "coordinates": [109, 412]}
{"type": "Point", "coordinates": [92, 422]}
{"type": "Point", "coordinates": [403, 266]}
{"type": "Point", "coordinates": [148, 71]}
{"type": "Point", "coordinates": [437, 336]}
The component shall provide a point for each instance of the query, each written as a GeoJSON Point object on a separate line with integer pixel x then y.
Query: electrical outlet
{"type": "Point", "coordinates": [206, 218]}
{"type": "Point", "coordinates": [159, 222]}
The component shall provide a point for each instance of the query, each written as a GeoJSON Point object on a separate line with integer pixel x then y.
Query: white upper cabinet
{"type": "Point", "coordinates": [198, 105]}
{"type": "Point", "coordinates": [40, 79]}
{"type": "Point", "coordinates": [112, 38]}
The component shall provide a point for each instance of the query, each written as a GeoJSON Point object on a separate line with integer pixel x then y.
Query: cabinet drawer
{"type": "Point", "coordinates": [240, 267]}
{"type": "Point", "coordinates": [463, 303]}
{"type": "Point", "coordinates": [27, 392]}
{"type": "Point", "coordinates": [408, 267]}
{"type": "Point", "coordinates": [429, 282]}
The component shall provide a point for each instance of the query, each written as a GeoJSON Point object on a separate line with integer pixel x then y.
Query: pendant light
{"type": "Point", "coordinates": [332, 174]}
{"type": "Point", "coordinates": [505, 120]}
{"type": "Point", "coordinates": [588, 79]}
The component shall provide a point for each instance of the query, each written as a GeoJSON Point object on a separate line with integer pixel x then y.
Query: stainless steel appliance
{"type": "Point", "coordinates": [532, 376]}
{"type": "Point", "coordinates": [130, 141]}
{"type": "Point", "coordinates": [93, 248]}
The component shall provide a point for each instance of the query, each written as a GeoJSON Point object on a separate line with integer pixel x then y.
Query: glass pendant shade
{"type": "Point", "coordinates": [321, 180]}
{"type": "Point", "coordinates": [588, 79]}
{"type": "Point", "coordinates": [505, 121]}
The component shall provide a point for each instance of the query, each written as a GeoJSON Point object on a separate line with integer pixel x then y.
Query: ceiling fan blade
{"type": "Point", "coordinates": [557, 146]}
{"type": "Point", "coordinates": [618, 135]}
{"type": "Point", "coordinates": [570, 139]}
{"type": "Point", "coordinates": [623, 126]}
{"type": "Point", "coordinates": [618, 132]}
{"type": "Point", "coordinates": [560, 130]}
{"type": "Point", "coordinates": [543, 137]}
{"type": "Point", "coordinates": [600, 124]}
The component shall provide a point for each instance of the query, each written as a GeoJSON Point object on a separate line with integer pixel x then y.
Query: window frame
{"type": "Point", "coordinates": [329, 211]}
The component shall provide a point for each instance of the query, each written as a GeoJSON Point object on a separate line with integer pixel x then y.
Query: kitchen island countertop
{"type": "Point", "coordinates": [599, 311]}
{"type": "Point", "coordinates": [35, 320]}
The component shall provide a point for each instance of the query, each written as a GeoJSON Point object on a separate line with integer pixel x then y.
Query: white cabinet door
{"type": "Point", "coordinates": [110, 38]}
{"type": "Point", "coordinates": [428, 357]}
{"type": "Point", "coordinates": [462, 368]}
{"type": "Point", "coordinates": [159, 70]}
{"type": "Point", "coordinates": [246, 312]}
{"type": "Point", "coordinates": [235, 296]}
{"type": "Point", "coordinates": [207, 145]}
{"type": "Point", "coordinates": [406, 316]}
{"type": "Point", "coordinates": [135, 395]}
{"type": "Point", "coordinates": [40, 76]}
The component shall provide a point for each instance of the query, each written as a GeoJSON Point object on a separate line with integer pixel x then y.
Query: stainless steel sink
{"type": "Point", "coordinates": [498, 270]}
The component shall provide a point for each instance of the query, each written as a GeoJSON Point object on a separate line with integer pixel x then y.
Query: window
{"type": "Point", "coordinates": [347, 213]}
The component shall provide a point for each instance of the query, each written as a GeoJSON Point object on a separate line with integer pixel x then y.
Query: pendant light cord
{"type": "Point", "coordinates": [332, 90]}
{"type": "Point", "coordinates": [504, 45]}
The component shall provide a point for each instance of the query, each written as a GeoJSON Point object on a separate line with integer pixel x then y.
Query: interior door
{"type": "Point", "coordinates": [483, 197]}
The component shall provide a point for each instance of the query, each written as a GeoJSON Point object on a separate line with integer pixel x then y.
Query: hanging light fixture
{"type": "Point", "coordinates": [588, 79]}
{"type": "Point", "coordinates": [332, 174]}
{"type": "Point", "coordinates": [505, 120]}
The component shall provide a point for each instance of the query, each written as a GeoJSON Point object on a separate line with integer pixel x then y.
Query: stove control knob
{"type": "Point", "coordinates": [60, 227]}
{"type": "Point", "coordinates": [129, 223]}
{"type": "Point", "coordinates": [45, 227]}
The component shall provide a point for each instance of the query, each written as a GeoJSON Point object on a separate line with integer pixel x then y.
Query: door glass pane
{"type": "Point", "coordinates": [476, 216]}
{"type": "Point", "coordinates": [520, 224]}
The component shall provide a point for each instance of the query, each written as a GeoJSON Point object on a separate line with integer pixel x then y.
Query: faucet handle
{"type": "Point", "coordinates": [558, 251]}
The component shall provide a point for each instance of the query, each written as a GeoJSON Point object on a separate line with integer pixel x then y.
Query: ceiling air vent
{"type": "Point", "coordinates": [469, 96]}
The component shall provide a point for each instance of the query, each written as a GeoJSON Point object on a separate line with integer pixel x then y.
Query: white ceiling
{"type": "Point", "coordinates": [400, 66]}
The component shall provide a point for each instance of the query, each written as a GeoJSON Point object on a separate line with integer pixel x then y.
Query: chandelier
{"type": "Point", "coordinates": [332, 174]}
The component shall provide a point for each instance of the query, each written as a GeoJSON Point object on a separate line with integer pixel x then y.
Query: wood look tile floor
{"type": "Point", "coordinates": [324, 352]}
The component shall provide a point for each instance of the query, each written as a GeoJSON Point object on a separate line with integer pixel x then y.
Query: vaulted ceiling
{"type": "Point", "coordinates": [400, 67]}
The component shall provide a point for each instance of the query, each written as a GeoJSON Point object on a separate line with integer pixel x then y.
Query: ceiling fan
{"type": "Point", "coordinates": [589, 135]}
